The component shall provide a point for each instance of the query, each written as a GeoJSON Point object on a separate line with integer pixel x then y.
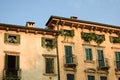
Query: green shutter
{"type": "Point", "coordinates": [17, 62]}
{"type": "Point", "coordinates": [5, 37]}
{"type": "Point", "coordinates": [6, 61]}
{"type": "Point", "coordinates": [43, 42]}
{"type": "Point", "coordinates": [88, 52]}
{"type": "Point", "coordinates": [68, 50]}
{"type": "Point", "coordinates": [49, 65]}
{"type": "Point", "coordinates": [100, 58]}
{"type": "Point", "coordinates": [117, 57]}
{"type": "Point", "coordinates": [54, 43]}
{"type": "Point", "coordinates": [18, 39]}
{"type": "Point", "coordinates": [72, 33]}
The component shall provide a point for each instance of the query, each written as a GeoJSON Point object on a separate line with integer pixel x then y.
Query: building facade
{"type": "Point", "coordinates": [27, 53]}
{"type": "Point", "coordinates": [87, 50]}
{"type": "Point", "coordinates": [67, 49]}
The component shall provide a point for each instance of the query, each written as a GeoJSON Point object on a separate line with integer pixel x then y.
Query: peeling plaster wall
{"type": "Point", "coordinates": [32, 63]}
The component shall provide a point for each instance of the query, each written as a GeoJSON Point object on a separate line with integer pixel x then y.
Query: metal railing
{"type": "Point", "coordinates": [70, 60]}
{"type": "Point", "coordinates": [11, 73]}
{"type": "Point", "coordinates": [103, 64]}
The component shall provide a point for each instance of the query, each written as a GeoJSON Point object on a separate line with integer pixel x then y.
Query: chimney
{"type": "Point", "coordinates": [30, 24]}
{"type": "Point", "coordinates": [73, 17]}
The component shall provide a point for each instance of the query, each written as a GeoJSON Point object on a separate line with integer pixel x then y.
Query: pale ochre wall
{"type": "Point", "coordinates": [32, 63]}
{"type": "Point", "coordinates": [78, 49]}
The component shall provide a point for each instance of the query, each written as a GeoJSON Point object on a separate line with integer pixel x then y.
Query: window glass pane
{"type": "Point", "coordinates": [49, 65]}
{"type": "Point", "coordinates": [70, 76]}
{"type": "Point", "coordinates": [91, 77]}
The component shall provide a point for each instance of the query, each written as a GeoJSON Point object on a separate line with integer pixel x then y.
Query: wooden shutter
{"type": "Point", "coordinates": [68, 54]}
{"type": "Point", "coordinates": [5, 37]}
{"type": "Point", "coordinates": [43, 42]}
{"type": "Point", "coordinates": [6, 61]}
{"type": "Point", "coordinates": [18, 39]}
{"type": "Point", "coordinates": [88, 52]}
{"type": "Point", "coordinates": [49, 65]}
{"type": "Point", "coordinates": [100, 58]}
{"type": "Point", "coordinates": [17, 62]}
{"type": "Point", "coordinates": [117, 57]}
{"type": "Point", "coordinates": [72, 33]}
{"type": "Point", "coordinates": [54, 43]}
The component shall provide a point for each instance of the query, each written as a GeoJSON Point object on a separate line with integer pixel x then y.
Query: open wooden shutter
{"type": "Point", "coordinates": [17, 62]}
{"type": "Point", "coordinates": [43, 42]}
{"type": "Point", "coordinates": [18, 39]}
{"type": "Point", "coordinates": [5, 37]}
{"type": "Point", "coordinates": [6, 61]}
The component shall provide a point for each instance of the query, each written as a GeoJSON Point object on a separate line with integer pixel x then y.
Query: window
{"type": "Point", "coordinates": [117, 59]}
{"type": "Point", "coordinates": [91, 77]}
{"type": "Point", "coordinates": [68, 54]}
{"type": "Point", "coordinates": [69, 33]}
{"type": "Point", "coordinates": [101, 62]}
{"type": "Point", "coordinates": [88, 52]}
{"type": "Point", "coordinates": [49, 65]}
{"type": "Point", "coordinates": [103, 78]}
{"type": "Point", "coordinates": [70, 77]}
{"type": "Point", "coordinates": [48, 43]}
{"type": "Point", "coordinates": [11, 38]}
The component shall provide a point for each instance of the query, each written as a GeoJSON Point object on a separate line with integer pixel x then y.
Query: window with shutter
{"type": "Point", "coordinates": [11, 38]}
{"type": "Point", "coordinates": [88, 52]}
{"type": "Point", "coordinates": [117, 59]}
{"type": "Point", "coordinates": [48, 43]}
{"type": "Point", "coordinates": [68, 54]}
{"type": "Point", "coordinates": [100, 58]}
{"type": "Point", "coordinates": [49, 65]}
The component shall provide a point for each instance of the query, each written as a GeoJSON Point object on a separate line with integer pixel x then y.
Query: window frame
{"type": "Point", "coordinates": [50, 46]}
{"type": "Point", "coordinates": [50, 56]}
{"type": "Point", "coordinates": [7, 35]}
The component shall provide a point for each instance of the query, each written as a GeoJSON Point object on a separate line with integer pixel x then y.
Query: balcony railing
{"type": "Point", "coordinates": [12, 74]}
{"type": "Point", "coordinates": [103, 64]}
{"type": "Point", "coordinates": [70, 61]}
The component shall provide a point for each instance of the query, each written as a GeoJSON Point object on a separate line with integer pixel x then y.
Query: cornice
{"type": "Point", "coordinates": [18, 28]}
{"type": "Point", "coordinates": [55, 20]}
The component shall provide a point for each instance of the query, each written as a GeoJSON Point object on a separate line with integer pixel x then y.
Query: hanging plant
{"type": "Point", "coordinates": [87, 36]}
{"type": "Point", "coordinates": [99, 38]}
{"type": "Point", "coordinates": [114, 39]}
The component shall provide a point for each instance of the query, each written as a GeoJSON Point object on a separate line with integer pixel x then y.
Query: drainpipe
{"type": "Point", "coordinates": [58, 65]}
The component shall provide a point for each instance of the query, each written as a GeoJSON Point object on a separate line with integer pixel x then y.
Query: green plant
{"type": "Point", "coordinates": [99, 38]}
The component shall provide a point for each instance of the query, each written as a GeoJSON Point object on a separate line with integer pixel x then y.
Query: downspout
{"type": "Point", "coordinates": [58, 65]}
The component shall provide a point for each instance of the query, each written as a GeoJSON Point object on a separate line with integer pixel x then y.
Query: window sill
{"type": "Point", "coordinates": [49, 74]}
{"type": "Point", "coordinates": [89, 61]}
{"type": "Point", "coordinates": [16, 44]}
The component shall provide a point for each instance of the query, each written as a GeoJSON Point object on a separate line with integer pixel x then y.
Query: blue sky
{"type": "Point", "coordinates": [38, 11]}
